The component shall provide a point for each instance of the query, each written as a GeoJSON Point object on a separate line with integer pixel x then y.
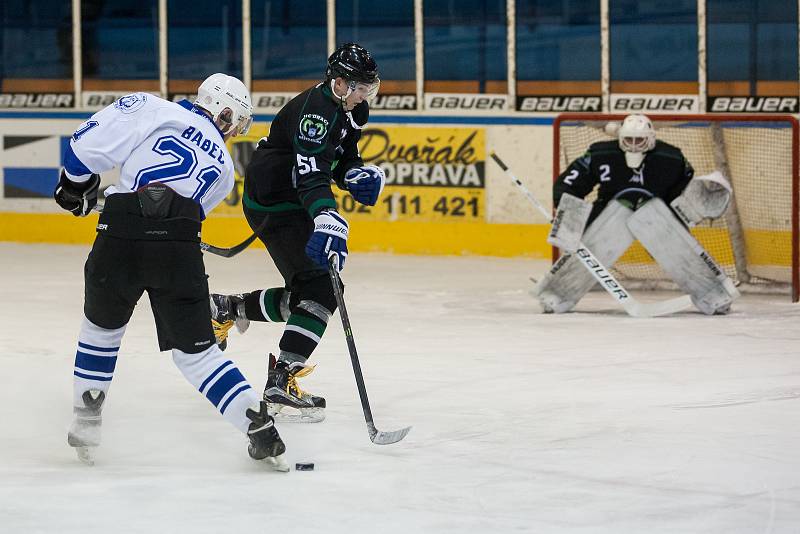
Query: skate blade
{"type": "Point", "coordinates": [85, 455]}
{"type": "Point", "coordinates": [286, 414]}
{"type": "Point", "coordinates": [276, 463]}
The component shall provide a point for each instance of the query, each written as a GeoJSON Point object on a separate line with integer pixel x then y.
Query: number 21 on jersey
{"type": "Point", "coordinates": [182, 167]}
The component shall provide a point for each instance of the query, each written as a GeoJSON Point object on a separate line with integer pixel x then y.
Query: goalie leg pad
{"type": "Point", "coordinates": [682, 257]}
{"type": "Point", "coordinates": [568, 281]}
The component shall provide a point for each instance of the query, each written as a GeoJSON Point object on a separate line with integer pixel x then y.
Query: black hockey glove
{"type": "Point", "coordinates": [77, 198]}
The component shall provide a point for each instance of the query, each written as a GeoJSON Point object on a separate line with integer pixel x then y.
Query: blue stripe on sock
{"type": "Point", "coordinates": [90, 377]}
{"type": "Point", "coordinates": [98, 349]}
{"type": "Point", "coordinates": [229, 380]}
{"type": "Point", "coordinates": [233, 396]}
{"type": "Point", "coordinates": [212, 375]}
{"type": "Point", "coordinates": [90, 362]}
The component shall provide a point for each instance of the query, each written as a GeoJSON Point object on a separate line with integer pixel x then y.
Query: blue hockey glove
{"type": "Point", "coordinates": [75, 197]}
{"type": "Point", "coordinates": [328, 240]}
{"type": "Point", "coordinates": [365, 183]}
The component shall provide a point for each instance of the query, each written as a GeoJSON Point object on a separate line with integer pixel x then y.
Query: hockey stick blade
{"type": "Point", "coordinates": [386, 438]}
{"type": "Point", "coordinates": [228, 252]}
{"type": "Point", "coordinates": [603, 276]}
{"type": "Point", "coordinates": [376, 436]}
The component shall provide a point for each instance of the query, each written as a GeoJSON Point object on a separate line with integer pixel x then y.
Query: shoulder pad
{"type": "Point", "coordinates": [665, 149]}
{"type": "Point", "coordinates": [604, 146]}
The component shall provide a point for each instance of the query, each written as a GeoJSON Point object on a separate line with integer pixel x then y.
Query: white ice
{"type": "Point", "coordinates": [585, 422]}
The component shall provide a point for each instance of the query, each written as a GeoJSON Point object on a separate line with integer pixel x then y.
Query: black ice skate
{"type": "Point", "coordinates": [227, 311]}
{"type": "Point", "coordinates": [265, 442]}
{"type": "Point", "coordinates": [84, 433]}
{"type": "Point", "coordinates": [286, 401]}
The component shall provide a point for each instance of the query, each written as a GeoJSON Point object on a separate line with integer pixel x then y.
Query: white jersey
{"type": "Point", "coordinates": [151, 139]}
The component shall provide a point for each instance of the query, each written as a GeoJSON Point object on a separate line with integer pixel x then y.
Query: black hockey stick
{"type": "Point", "coordinates": [377, 437]}
{"type": "Point", "coordinates": [221, 251]}
{"type": "Point", "coordinates": [234, 250]}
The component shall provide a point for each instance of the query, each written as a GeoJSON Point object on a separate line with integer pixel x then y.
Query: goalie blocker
{"type": "Point", "coordinates": [670, 244]}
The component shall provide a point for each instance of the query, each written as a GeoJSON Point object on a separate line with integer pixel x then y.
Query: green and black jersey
{"type": "Point", "coordinates": [664, 173]}
{"type": "Point", "coordinates": [312, 142]}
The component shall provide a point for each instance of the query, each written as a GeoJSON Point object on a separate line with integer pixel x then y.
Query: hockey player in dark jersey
{"type": "Point", "coordinates": [646, 190]}
{"type": "Point", "coordinates": [288, 200]}
{"type": "Point", "coordinates": [643, 169]}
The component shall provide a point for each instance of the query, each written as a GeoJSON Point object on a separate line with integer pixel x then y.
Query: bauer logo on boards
{"type": "Point", "coordinates": [465, 102]}
{"type": "Point", "coordinates": [549, 104]}
{"type": "Point", "coordinates": [753, 104]}
{"type": "Point", "coordinates": [622, 103]}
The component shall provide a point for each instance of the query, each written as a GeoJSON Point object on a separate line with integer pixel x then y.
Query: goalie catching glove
{"type": "Point", "coordinates": [365, 183]}
{"type": "Point", "coordinates": [77, 197]}
{"type": "Point", "coordinates": [706, 197]}
{"type": "Point", "coordinates": [328, 240]}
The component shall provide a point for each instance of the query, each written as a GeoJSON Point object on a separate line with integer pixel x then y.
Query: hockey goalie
{"type": "Point", "coordinates": [646, 190]}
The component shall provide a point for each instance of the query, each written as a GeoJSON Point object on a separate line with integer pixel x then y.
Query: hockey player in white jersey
{"type": "Point", "coordinates": [174, 169]}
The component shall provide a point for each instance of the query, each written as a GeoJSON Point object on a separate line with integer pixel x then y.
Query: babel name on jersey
{"type": "Point", "coordinates": [753, 104]}
{"type": "Point", "coordinates": [36, 100]}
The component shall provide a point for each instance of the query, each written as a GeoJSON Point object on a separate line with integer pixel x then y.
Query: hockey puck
{"type": "Point", "coordinates": [304, 467]}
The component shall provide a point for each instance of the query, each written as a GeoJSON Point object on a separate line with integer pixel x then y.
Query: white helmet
{"type": "Point", "coordinates": [228, 101]}
{"type": "Point", "coordinates": [636, 136]}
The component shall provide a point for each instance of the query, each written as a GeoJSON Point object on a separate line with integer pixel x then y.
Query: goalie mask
{"type": "Point", "coordinates": [355, 65]}
{"type": "Point", "coordinates": [228, 101]}
{"type": "Point", "coordinates": [636, 137]}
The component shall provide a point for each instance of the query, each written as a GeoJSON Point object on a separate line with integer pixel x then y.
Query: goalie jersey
{"type": "Point", "coordinates": [664, 173]}
{"type": "Point", "coordinates": [152, 139]}
{"type": "Point", "coordinates": [311, 141]}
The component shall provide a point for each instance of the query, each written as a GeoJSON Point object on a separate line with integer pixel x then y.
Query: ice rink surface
{"type": "Point", "coordinates": [590, 422]}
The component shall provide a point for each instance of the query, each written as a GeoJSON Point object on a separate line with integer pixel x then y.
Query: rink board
{"type": "Point", "coordinates": [441, 196]}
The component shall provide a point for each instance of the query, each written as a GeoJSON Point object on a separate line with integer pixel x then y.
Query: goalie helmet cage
{"type": "Point", "coordinates": [756, 241]}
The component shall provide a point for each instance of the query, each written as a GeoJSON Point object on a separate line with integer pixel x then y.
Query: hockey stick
{"type": "Point", "coordinates": [377, 437]}
{"type": "Point", "coordinates": [221, 251]}
{"type": "Point", "coordinates": [606, 280]}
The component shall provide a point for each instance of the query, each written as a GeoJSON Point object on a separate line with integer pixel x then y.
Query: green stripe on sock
{"type": "Point", "coordinates": [312, 325]}
{"type": "Point", "coordinates": [272, 300]}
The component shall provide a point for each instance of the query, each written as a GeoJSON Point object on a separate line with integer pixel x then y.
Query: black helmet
{"type": "Point", "coordinates": [353, 63]}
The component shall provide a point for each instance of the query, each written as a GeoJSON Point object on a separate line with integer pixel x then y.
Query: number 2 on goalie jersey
{"type": "Point", "coordinates": [181, 168]}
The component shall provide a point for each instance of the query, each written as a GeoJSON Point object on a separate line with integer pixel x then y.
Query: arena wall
{"type": "Point", "coordinates": [443, 195]}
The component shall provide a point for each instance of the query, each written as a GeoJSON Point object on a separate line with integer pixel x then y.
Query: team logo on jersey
{"type": "Point", "coordinates": [130, 103]}
{"type": "Point", "coordinates": [313, 128]}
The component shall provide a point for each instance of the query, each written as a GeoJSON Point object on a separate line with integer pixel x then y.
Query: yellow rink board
{"type": "Point", "coordinates": [401, 237]}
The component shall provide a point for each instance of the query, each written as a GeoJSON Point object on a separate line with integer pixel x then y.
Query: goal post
{"type": "Point", "coordinates": [756, 241]}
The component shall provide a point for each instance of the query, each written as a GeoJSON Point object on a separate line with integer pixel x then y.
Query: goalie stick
{"type": "Point", "coordinates": [375, 435]}
{"type": "Point", "coordinates": [603, 276]}
{"type": "Point", "coordinates": [221, 251]}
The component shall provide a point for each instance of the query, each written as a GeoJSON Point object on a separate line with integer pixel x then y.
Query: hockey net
{"type": "Point", "coordinates": [756, 241]}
